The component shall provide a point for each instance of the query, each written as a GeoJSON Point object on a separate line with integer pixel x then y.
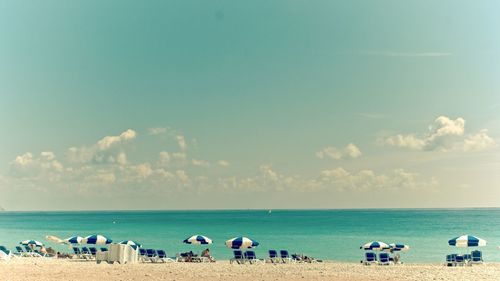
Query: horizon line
{"type": "Point", "coordinates": [255, 209]}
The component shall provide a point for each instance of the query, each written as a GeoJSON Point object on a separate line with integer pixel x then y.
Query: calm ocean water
{"type": "Point", "coordinates": [327, 234]}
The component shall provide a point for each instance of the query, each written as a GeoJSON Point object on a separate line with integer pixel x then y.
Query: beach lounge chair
{"type": "Point", "coordinates": [370, 258]}
{"type": "Point", "coordinates": [19, 251]}
{"type": "Point", "coordinates": [250, 257]}
{"type": "Point", "coordinates": [384, 259]}
{"type": "Point", "coordinates": [30, 252]}
{"type": "Point", "coordinates": [285, 257]}
{"type": "Point", "coordinates": [5, 250]}
{"type": "Point", "coordinates": [151, 255]}
{"type": "Point", "coordinates": [238, 257]}
{"type": "Point", "coordinates": [162, 256]}
{"type": "Point", "coordinates": [104, 249]}
{"type": "Point", "coordinates": [86, 253]}
{"type": "Point", "coordinates": [142, 255]}
{"type": "Point", "coordinates": [93, 251]}
{"type": "Point", "coordinates": [460, 260]}
{"type": "Point", "coordinates": [77, 252]}
{"type": "Point", "coordinates": [476, 257]}
{"type": "Point", "coordinates": [273, 256]}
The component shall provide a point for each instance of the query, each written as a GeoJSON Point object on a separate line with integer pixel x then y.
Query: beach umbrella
{"type": "Point", "coordinates": [375, 246]}
{"type": "Point", "coordinates": [467, 241]}
{"type": "Point", "coordinates": [131, 243]}
{"type": "Point", "coordinates": [198, 240]}
{"type": "Point", "coordinates": [31, 243]}
{"type": "Point", "coordinates": [97, 240]}
{"type": "Point", "coordinates": [54, 239]}
{"type": "Point", "coordinates": [73, 240]}
{"type": "Point", "coordinates": [397, 247]}
{"type": "Point", "coordinates": [241, 243]}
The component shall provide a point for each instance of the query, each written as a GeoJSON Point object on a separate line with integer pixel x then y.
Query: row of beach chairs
{"type": "Point", "coordinates": [28, 252]}
{"type": "Point", "coordinates": [383, 259]}
{"type": "Point", "coordinates": [153, 255]}
{"type": "Point", "coordinates": [87, 253]}
{"type": "Point", "coordinates": [475, 257]}
{"type": "Point", "coordinates": [241, 257]}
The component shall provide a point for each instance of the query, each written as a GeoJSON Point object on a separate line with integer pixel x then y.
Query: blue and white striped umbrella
{"type": "Point", "coordinates": [32, 243]}
{"type": "Point", "coordinates": [198, 240]}
{"type": "Point", "coordinates": [467, 241]}
{"type": "Point", "coordinates": [131, 243]}
{"type": "Point", "coordinates": [241, 243]}
{"type": "Point", "coordinates": [397, 247]}
{"type": "Point", "coordinates": [96, 239]}
{"type": "Point", "coordinates": [74, 240]}
{"type": "Point", "coordinates": [374, 246]}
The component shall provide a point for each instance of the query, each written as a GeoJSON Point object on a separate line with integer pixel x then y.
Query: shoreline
{"type": "Point", "coordinates": [45, 269]}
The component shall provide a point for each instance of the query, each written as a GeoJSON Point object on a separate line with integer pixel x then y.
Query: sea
{"type": "Point", "coordinates": [323, 234]}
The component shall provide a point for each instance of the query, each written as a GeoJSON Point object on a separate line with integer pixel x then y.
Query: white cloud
{"type": "Point", "coordinates": [223, 163]}
{"type": "Point", "coordinates": [180, 156]}
{"type": "Point", "coordinates": [45, 166]}
{"type": "Point", "coordinates": [121, 159]}
{"type": "Point", "coordinates": [479, 141]}
{"type": "Point", "coordinates": [202, 163]}
{"type": "Point", "coordinates": [181, 141]}
{"type": "Point", "coordinates": [367, 180]}
{"type": "Point", "coordinates": [24, 160]}
{"type": "Point", "coordinates": [444, 135]}
{"type": "Point", "coordinates": [351, 150]}
{"type": "Point", "coordinates": [157, 131]}
{"type": "Point", "coordinates": [109, 141]}
{"type": "Point", "coordinates": [164, 158]}
{"type": "Point", "coordinates": [48, 155]}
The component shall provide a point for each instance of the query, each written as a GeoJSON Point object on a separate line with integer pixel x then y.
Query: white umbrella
{"type": "Point", "coordinates": [375, 246]}
{"type": "Point", "coordinates": [96, 240]}
{"type": "Point", "coordinates": [241, 243]}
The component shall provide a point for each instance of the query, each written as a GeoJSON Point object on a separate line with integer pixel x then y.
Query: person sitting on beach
{"type": "Point", "coordinates": [206, 254]}
{"type": "Point", "coordinates": [43, 250]}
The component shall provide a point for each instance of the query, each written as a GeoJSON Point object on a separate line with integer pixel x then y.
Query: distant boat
{"type": "Point", "coordinates": [270, 211]}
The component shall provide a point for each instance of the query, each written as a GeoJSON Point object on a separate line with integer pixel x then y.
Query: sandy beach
{"type": "Point", "coordinates": [42, 269]}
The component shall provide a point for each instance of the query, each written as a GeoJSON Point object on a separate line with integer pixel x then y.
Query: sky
{"type": "Point", "coordinates": [249, 104]}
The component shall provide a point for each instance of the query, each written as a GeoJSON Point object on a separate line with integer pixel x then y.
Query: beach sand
{"type": "Point", "coordinates": [41, 269]}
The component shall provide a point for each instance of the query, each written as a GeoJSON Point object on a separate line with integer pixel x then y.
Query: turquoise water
{"type": "Point", "coordinates": [327, 234]}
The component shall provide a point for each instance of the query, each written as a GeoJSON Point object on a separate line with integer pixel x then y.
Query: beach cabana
{"type": "Point", "coordinates": [96, 240]}
{"type": "Point", "coordinates": [465, 241]}
{"type": "Point", "coordinates": [198, 240]}
{"type": "Point", "coordinates": [242, 242]}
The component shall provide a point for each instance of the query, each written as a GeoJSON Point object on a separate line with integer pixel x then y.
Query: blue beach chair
{"type": "Point", "coordinates": [238, 257]}
{"type": "Point", "coordinates": [370, 258]}
{"type": "Point", "coordinates": [93, 251]}
{"type": "Point", "coordinates": [273, 256]}
{"type": "Point", "coordinates": [142, 255]}
{"type": "Point", "coordinates": [250, 257]}
{"type": "Point", "coordinates": [162, 256]}
{"type": "Point", "coordinates": [104, 249]}
{"type": "Point", "coordinates": [151, 255]}
{"type": "Point", "coordinates": [285, 257]}
{"type": "Point", "coordinates": [5, 250]}
{"type": "Point", "coordinates": [384, 259]}
{"type": "Point", "coordinates": [460, 260]}
{"type": "Point", "coordinates": [476, 257]}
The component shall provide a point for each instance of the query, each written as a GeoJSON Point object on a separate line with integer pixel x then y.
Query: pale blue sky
{"type": "Point", "coordinates": [274, 89]}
